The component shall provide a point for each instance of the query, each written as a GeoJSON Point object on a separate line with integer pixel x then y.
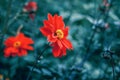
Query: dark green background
{"type": "Point", "coordinates": [80, 16]}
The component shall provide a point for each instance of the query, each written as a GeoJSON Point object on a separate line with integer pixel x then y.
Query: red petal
{"type": "Point", "coordinates": [56, 21]}
{"type": "Point", "coordinates": [7, 52]}
{"type": "Point", "coordinates": [59, 44]}
{"type": "Point", "coordinates": [29, 41]}
{"type": "Point", "coordinates": [50, 18]}
{"type": "Point", "coordinates": [9, 42]}
{"type": "Point", "coordinates": [26, 41]}
{"type": "Point", "coordinates": [63, 52]}
{"type": "Point", "coordinates": [27, 47]}
{"type": "Point", "coordinates": [65, 31]}
{"type": "Point", "coordinates": [23, 39]}
{"type": "Point", "coordinates": [45, 31]}
{"type": "Point", "coordinates": [51, 38]}
{"type": "Point", "coordinates": [56, 51]}
{"type": "Point", "coordinates": [67, 44]}
{"type": "Point", "coordinates": [22, 52]}
{"type": "Point", "coordinates": [60, 22]}
{"type": "Point", "coordinates": [32, 5]}
{"type": "Point", "coordinates": [48, 25]}
{"type": "Point", "coordinates": [10, 52]}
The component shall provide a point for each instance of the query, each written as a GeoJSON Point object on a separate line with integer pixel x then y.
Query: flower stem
{"type": "Point", "coordinates": [36, 61]}
{"type": "Point", "coordinates": [113, 69]}
{"type": "Point", "coordinates": [31, 70]}
{"type": "Point", "coordinates": [5, 26]}
{"type": "Point", "coordinates": [87, 50]}
{"type": "Point", "coordinates": [17, 14]}
{"type": "Point", "coordinates": [14, 18]}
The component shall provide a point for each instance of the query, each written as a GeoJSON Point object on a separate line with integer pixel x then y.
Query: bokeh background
{"type": "Point", "coordinates": [93, 29]}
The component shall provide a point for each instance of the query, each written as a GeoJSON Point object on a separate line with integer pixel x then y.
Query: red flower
{"type": "Point", "coordinates": [18, 45]}
{"type": "Point", "coordinates": [56, 33]}
{"type": "Point", "coordinates": [31, 8]}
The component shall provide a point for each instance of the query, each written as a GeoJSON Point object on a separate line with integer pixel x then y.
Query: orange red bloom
{"type": "Point", "coordinates": [31, 8]}
{"type": "Point", "coordinates": [18, 45]}
{"type": "Point", "coordinates": [56, 32]}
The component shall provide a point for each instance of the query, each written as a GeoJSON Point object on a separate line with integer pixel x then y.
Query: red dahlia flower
{"type": "Point", "coordinates": [56, 33]}
{"type": "Point", "coordinates": [31, 8]}
{"type": "Point", "coordinates": [18, 45]}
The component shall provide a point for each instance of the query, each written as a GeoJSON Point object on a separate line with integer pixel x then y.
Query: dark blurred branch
{"type": "Point", "coordinates": [113, 69]}
{"type": "Point", "coordinates": [96, 25]}
{"type": "Point", "coordinates": [37, 60]}
{"type": "Point", "coordinates": [14, 18]}
{"type": "Point", "coordinates": [31, 70]}
{"type": "Point", "coordinates": [87, 55]}
{"type": "Point", "coordinates": [41, 53]}
{"type": "Point", "coordinates": [5, 27]}
{"type": "Point", "coordinates": [17, 14]}
{"type": "Point", "coordinates": [108, 55]}
{"type": "Point", "coordinates": [110, 2]}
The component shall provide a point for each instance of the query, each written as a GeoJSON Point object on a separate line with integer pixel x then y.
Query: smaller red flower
{"type": "Point", "coordinates": [31, 8]}
{"type": "Point", "coordinates": [56, 32]}
{"type": "Point", "coordinates": [18, 45]}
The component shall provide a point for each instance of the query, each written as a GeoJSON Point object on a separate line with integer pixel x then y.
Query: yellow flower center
{"type": "Point", "coordinates": [59, 33]}
{"type": "Point", "coordinates": [17, 44]}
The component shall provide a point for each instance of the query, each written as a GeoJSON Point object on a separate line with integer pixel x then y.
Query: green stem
{"type": "Point", "coordinates": [5, 27]}
{"type": "Point", "coordinates": [113, 69]}
{"type": "Point", "coordinates": [36, 61]}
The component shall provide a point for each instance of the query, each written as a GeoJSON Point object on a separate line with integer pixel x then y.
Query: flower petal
{"type": "Point", "coordinates": [63, 52]}
{"type": "Point", "coordinates": [56, 50]}
{"type": "Point", "coordinates": [56, 21]}
{"type": "Point", "coordinates": [49, 26]}
{"type": "Point", "coordinates": [27, 47]}
{"type": "Point", "coordinates": [26, 40]}
{"type": "Point", "coordinates": [10, 52]}
{"type": "Point", "coordinates": [45, 31]}
{"type": "Point", "coordinates": [52, 38]}
{"type": "Point", "coordinates": [22, 52]}
{"type": "Point", "coordinates": [60, 44]}
{"type": "Point", "coordinates": [50, 18]}
{"type": "Point", "coordinates": [60, 22]}
{"type": "Point", "coordinates": [67, 44]}
{"type": "Point", "coordinates": [66, 31]}
{"type": "Point", "coordinates": [9, 42]}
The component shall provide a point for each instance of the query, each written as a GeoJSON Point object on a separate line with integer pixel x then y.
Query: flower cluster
{"type": "Point", "coordinates": [18, 45]}
{"type": "Point", "coordinates": [54, 29]}
{"type": "Point", "coordinates": [56, 32]}
{"type": "Point", "coordinates": [31, 8]}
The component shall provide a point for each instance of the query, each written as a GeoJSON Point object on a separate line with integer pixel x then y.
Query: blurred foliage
{"type": "Point", "coordinates": [80, 16]}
